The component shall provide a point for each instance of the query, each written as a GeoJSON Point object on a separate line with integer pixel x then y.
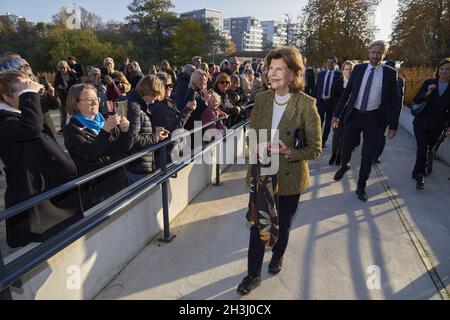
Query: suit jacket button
{"type": "Point", "coordinates": [288, 133]}
{"type": "Point", "coordinates": [287, 173]}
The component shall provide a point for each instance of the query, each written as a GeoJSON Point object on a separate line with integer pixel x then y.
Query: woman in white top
{"type": "Point", "coordinates": [338, 132]}
{"type": "Point", "coordinates": [289, 120]}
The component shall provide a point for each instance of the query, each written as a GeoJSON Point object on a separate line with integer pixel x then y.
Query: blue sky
{"type": "Point", "coordinates": [42, 10]}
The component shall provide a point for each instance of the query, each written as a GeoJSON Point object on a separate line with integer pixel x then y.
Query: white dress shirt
{"type": "Point", "coordinates": [345, 82]}
{"type": "Point", "coordinates": [375, 91]}
{"type": "Point", "coordinates": [325, 84]}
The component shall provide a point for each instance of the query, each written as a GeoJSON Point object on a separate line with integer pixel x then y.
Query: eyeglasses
{"type": "Point", "coordinates": [91, 101]}
{"type": "Point", "coordinates": [225, 82]}
{"type": "Point", "coordinates": [169, 86]}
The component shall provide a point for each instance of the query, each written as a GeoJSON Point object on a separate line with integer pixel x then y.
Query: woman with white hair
{"type": "Point", "coordinates": [64, 80]}
{"type": "Point", "coordinates": [112, 75]}
{"type": "Point", "coordinates": [197, 91]}
{"type": "Point", "coordinates": [134, 74]}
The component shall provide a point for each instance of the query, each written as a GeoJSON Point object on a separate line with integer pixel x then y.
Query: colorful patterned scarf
{"type": "Point", "coordinates": [263, 205]}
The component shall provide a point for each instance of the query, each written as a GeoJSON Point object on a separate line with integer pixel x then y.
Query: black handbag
{"type": "Point", "coordinates": [417, 108]}
{"type": "Point", "coordinates": [299, 141]}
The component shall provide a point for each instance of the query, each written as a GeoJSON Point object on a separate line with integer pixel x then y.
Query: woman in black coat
{"type": "Point", "coordinates": [223, 88]}
{"type": "Point", "coordinates": [141, 128]}
{"type": "Point", "coordinates": [432, 121]}
{"type": "Point", "coordinates": [196, 92]}
{"type": "Point", "coordinates": [166, 113]}
{"type": "Point", "coordinates": [94, 142]}
{"type": "Point", "coordinates": [34, 163]}
{"type": "Point", "coordinates": [64, 80]}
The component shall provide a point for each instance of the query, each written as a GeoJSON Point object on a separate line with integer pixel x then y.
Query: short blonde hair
{"type": "Point", "coordinates": [348, 63]}
{"type": "Point", "coordinates": [196, 75]}
{"type": "Point", "coordinates": [381, 43]}
{"type": "Point", "coordinates": [151, 85]}
{"type": "Point", "coordinates": [294, 60]}
{"type": "Point", "coordinates": [74, 95]}
{"type": "Point", "coordinates": [215, 96]}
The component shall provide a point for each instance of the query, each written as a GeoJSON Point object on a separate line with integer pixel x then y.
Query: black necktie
{"type": "Point", "coordinates": [327, 86]}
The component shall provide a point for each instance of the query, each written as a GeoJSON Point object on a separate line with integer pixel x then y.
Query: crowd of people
{"type": "Point", "coordinates": [108, 114]}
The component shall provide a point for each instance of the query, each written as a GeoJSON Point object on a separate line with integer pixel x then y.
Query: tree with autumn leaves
{"type": "Point", "coordinates": [343, 28]}
{"type": "Point", "coordinates": [421, 32]}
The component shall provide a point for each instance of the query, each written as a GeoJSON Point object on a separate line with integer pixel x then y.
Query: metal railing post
{"type": "Point", "coordinates": [167, 237]}
{"type": "Point", "coordinates": [219, 158]}
{"type": "Point", "coordinates": [217, 175]}
{"type": "Point", "coordinates": [6, 293]}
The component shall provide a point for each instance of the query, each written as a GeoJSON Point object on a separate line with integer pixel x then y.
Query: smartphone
{"type": "Point", "coordinates": [43, 80]}
{"type": "Point", "coordinates": [121, 108]}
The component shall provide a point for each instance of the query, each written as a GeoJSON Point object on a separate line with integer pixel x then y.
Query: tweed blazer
{"type": "Point", "coordinates": [301, 113]}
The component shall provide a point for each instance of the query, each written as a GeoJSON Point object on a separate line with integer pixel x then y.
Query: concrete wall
{"type": "Point", "coordinates": [84, 268]}
{"type": "Point", "coordinates": [406, 120]}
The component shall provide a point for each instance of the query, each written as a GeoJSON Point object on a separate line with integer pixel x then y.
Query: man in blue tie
{"type": "Point", "coordinates": [324, 92]}
{"type": "Point", "coordinates": [372, 101]}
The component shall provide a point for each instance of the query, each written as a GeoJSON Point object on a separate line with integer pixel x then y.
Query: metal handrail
{"type": "Point", "coordinates": [22, 265]}
{"type": "Point", "coordinates": [20, 207]}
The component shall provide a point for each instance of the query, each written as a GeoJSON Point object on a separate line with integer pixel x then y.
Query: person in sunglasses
{"type": "Point", "coordinates": [166, 113]}
{"type": "Point", "coordinates": [223, 89]}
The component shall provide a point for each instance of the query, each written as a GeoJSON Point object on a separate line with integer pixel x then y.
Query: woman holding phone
{"type": "Point", "coordinates": [139, 100]}
{"type": "Point", "coordinates": [285, 115]}
{"type": "Point", "coordinates": [94, 142]}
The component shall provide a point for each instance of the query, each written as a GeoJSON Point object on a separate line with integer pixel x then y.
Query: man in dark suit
{"type": "Point", "coordinates": [326, 102]}
{"type": "Point", "coordinates": [381, 141]}
{"type": "Point", "coordinates": [372, 102]}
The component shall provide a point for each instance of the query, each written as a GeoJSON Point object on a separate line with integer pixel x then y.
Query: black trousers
{"type": "Point", "coordinates": [287, 208]}
{"type": "Point", "coordinates": [369, 123]}
{"type": "Point", "coordinates": [426, 140]}
{"type": "Point", "coordinates": [381, 140]}
{"type": "Point", "coordinates": [325, 108]}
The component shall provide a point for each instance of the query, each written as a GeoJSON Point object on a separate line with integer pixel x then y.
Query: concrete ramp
{"type": "Point", "coordinates": [340, 248]}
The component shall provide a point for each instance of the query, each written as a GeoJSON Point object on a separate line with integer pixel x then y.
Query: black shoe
{"type": "Point", "coordinates": [275, 264]}
{"type": "Point", "coordinates": [362, 195]}
{"type": "Point", "coordinates": [340, 173]}
{"type": "Point", "coordinates": [338, 160]}
{"type": "Point", "coordinates": [420, 182]}
{"type": "Point", "coordinates": [332, 159]}
{"type": "Point", "coordinates": [248, 284]}
{"type": "Point", "coordinates": [377, 161]}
